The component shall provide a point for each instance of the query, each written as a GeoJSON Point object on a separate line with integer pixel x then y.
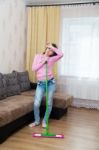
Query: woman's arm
{"type": "Point", "coordinates": [58, 52]}
{"type": "Point", "coordinates": [37, 64]}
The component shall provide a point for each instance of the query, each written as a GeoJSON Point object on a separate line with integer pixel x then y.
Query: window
{"type": "Point", "coordinates": [80, 45]}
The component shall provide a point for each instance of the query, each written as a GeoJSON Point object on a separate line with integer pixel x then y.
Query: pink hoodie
{"type": "Point", "coordinates": [39, 67]}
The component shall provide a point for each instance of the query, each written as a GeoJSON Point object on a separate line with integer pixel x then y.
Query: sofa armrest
{"type": "Point", "coordinates": [33, 85]}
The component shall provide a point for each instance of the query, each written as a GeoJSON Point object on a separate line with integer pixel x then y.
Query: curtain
{"type": "Point", "coordinates": [79, 40]}
{"type": "Point", "coordinates": [42, 27]}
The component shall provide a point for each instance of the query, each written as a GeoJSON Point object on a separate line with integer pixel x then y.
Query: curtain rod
{"type": "Point", "coordinates": [68, 4]}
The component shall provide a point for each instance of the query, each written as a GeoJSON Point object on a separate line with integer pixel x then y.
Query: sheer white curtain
{"type": "Point", "coordinates": [80, 43]}
{"type": "Point", "coordinates": [79, 68]}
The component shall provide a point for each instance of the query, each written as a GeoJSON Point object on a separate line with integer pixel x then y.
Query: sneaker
{"type": "Point", "coordinates": [44, 125]}
{"type": "Point", "coordinates": [34, 124]}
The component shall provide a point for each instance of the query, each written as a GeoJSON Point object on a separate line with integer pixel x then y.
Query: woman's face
{"type": "Point", "coordinates": [49, 52]}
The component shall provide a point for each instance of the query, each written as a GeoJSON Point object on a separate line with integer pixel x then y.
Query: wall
{"type": "Point", "coordinates": [12, 35]}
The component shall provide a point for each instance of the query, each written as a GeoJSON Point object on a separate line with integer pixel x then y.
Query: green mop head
{"type": "Point", "coordinates": [49, 135]}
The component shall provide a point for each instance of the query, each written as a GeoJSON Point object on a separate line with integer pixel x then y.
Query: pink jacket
{"type": "Point", "coordinates": [39, 67]}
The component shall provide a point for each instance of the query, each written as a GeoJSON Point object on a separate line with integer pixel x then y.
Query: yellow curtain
{"type": "Point", "coordinates": [43, 26]}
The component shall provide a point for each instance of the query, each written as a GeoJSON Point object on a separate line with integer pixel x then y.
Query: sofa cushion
{"type": "Point", "coordinates": [29, 93]}
{"type": "Point", "coordinates": [2, 87]}
{"type": "Point", "coordinates": [62, 100]}
{"type": "Point", "coordinates": [14, 107]}
{"type": "Point", "coordinates": [12, 86]}
{"type": "Point", "coordinates": [23, 79]}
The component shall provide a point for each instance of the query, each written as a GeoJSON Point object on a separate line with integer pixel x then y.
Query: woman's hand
{"type": "Point", "coordinates": [44, 59]}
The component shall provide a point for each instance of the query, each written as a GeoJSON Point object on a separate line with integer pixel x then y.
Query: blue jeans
{"type": "Point", "coordinates": [40, 91]}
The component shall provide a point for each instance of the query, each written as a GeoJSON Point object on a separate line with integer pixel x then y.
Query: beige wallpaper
{"type": "Point", "coordinates": [12, 35]}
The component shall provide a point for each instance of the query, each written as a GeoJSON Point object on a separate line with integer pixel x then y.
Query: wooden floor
{"type": "Point", "coordinates": [80, 128]}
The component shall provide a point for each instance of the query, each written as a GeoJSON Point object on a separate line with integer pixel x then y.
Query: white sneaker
{"type": "Point", "coordinates": [34, 124]}
{"type": "Point", "coordinates": [44, 125]}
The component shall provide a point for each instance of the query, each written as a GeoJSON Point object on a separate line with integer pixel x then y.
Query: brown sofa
{"type": "Point", "coordinates": [16, 103]}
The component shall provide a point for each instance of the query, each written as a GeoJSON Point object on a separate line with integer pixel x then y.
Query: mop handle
{"type": "Point", "coordinates": [46, 98]}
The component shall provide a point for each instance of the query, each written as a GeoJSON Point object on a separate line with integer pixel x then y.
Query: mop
{"type": "Point", "coordinates": [46, 134]}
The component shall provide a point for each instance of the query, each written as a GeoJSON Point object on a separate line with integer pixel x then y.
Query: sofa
{"type": "Point", "coordinates": [16, 103]}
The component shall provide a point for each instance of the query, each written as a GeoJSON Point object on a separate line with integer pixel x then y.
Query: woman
{"type": "Point", "coordinates": [50, 56]}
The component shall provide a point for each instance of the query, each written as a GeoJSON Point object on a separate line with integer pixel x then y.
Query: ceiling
{"type": "Point", "coordinates": [49, 2]}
